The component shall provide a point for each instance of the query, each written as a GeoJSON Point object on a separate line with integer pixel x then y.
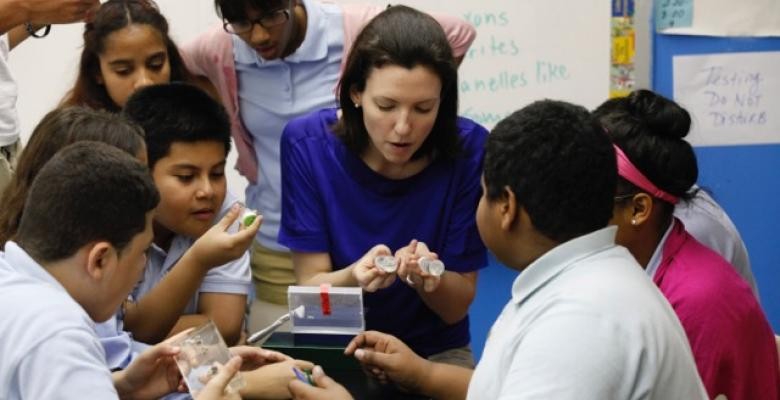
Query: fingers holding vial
{"type": "Point", "coordinates": [369, 276]}
{"type": "Point", "coordinates": [414, 263]}
{"type": "Point", "coordinates": [420, 267]}
{"type": "Point", "coordinates": [434, 269]}
{"type": "Point", "coordinates": [407, 263]}
{"type": "Point", "coordinates": [386, 263]}
{"type": "Point", "coordinates": [431, 266]}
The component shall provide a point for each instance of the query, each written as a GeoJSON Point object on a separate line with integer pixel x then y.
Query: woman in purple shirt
{"type": "Point", "coordinates": [393, 172]}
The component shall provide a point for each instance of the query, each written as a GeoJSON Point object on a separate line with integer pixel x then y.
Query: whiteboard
{"type": "Point", "coordinates": [528, 50]}
{"type": "Point", "coordinates": [525, 50]}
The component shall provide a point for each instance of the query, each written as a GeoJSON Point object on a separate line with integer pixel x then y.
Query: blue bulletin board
{"type": "Point", "coordinates": [744, 179]}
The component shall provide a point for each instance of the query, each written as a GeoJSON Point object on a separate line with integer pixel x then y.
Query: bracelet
{"type": "Point", "coordinates": [32, 31]}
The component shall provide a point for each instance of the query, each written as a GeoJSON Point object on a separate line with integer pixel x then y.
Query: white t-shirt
{"type": "Point", "coordinates": [585, 322]}
{"type": "Point", "coordinates": [9, 119]}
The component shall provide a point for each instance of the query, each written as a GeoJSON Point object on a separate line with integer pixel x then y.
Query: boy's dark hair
{"type": "Point", "coordinates": [560, 165]}
{"type": "Point", "coordinates": [407, 38]}
{"type": "Point", "coordinates": [650, 129]}
{"type": "Point", "coordinates": [112, 16]}
{"type": "Point", "coordinates": [56, 130]}
{"type": "Point", "coordinates": [177, 112]}
{"type": "Point", "coordinates": [235, 10]}
{"type": "Point", "coordinates": [89, 191]}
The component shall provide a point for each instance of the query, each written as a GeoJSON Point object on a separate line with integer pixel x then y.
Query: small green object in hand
{"type": "Point", "coordinates": [248, 218]}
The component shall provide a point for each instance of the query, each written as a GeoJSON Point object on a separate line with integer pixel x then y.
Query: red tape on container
{"type": "Point", "coordinates": [325, 298]}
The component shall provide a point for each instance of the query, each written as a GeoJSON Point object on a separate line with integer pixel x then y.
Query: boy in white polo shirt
{"type": "Point", "coordinates": [584, 322]}
{"type": "Point", "coordinates": [77, 253]}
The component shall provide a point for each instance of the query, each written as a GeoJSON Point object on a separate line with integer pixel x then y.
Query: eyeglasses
{"type": "Point", "coordinates": [622, 197]}
{"type": "Point", "coordinates": [269, 20]}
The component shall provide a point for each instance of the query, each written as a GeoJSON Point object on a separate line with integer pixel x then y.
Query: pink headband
{"type": "Point", "coordinates": [629, 172]}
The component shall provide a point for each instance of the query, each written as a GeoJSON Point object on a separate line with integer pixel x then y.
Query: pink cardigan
{"type": "Point", "coordinates": [731, 339]}
{"type": "Point", "coordinates": [211, 55]}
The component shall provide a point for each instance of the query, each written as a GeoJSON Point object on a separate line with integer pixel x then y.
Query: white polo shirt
{"type": "Point", "coordinates": [585, 322]}
{"type": "Point", "coordinates": [48, 345]}
{"type": "Point", "coordinates": [706, 220]}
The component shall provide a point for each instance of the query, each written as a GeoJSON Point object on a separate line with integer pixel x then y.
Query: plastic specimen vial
{"type": "Point", "coordinates": [433, 267]}
{"type": "Point", "coordinates": [202, 350]}
{"type": "Point", "coordinates": [248, 217]}
{"type": "Point", "coordinates": [386, 263]}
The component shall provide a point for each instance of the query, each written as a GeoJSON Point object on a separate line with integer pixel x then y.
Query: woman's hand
{"type": "Point", "coordinates": [370, 277]}
{"type": "Point", "coordinates": [409, 269]}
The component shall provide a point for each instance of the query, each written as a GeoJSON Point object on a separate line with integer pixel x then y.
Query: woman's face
{"type": "Point", "coordinates": [400, 106]}
{"type": "Point", "coordinates": [135, 56]}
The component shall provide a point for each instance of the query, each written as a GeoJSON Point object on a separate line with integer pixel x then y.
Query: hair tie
{"type": "Point", "coordinates": [631, 173]}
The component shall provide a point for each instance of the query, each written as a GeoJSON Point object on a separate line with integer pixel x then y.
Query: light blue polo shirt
{"type": "Point", "coordinates": [270, 93]}
{"type": "Point", "coordinates": [118, 344]}
{"type": "Point", "coordinates": [234, 277]}
{"type": "Point", "coordinates": [48, 345]}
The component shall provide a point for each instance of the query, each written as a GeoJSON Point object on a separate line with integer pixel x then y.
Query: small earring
{"type": "Point", "coordinates": [633, 221]}
{"type": "Point", "coordinates": [357, 105]}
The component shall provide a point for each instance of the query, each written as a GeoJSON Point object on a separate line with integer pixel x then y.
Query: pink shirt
{"type": "Point", "coordinates": [731, 339]}
{"type": "Point", "coordinates": [211, 55]}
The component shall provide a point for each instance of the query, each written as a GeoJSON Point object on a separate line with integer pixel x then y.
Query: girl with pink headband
{"type": "Point", "coordinates": [731, 339]}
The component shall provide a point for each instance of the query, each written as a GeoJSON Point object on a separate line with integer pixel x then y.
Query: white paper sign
{"type": "Point", "coordinates": [729, 18]}
{"type": "Point", "coordinates": [733, 98]}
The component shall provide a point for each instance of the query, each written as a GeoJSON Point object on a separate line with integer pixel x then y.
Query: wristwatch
{"type": "Point", "coordinates": [34, 33]}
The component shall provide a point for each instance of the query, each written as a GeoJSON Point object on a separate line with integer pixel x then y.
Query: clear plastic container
{"type": "Point", "coordinates": [386, 263]}
{"type": "Point", "coordinates": [433, 267]}
{"type": "Point", "coordinates": [201, 351]}
{"type": "Point", "coordinates": [335, 311]}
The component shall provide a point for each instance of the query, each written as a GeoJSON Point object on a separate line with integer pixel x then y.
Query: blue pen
{"type": "Point", "coordinates": [303, 376]}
